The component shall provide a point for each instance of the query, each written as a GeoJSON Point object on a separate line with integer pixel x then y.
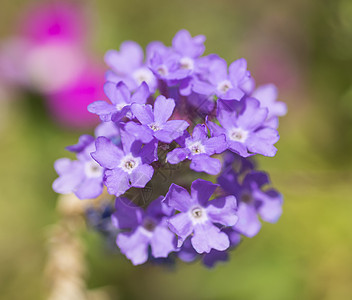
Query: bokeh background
{"type": "Point", "coordinates": [304, 47]}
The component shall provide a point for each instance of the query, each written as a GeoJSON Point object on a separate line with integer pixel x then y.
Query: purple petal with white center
{"type": "Point", "coordinates": [181, 225]}
{"type": "Point", "coordinates": [201, 190]}
{"type": "Point", "coordinates": [143, 113]}
{"type": "Point", "coordinates": [163, 109]}
{"type": "Point", "coordinates": [178, 198]}
{"type": "Point", "coordinates": [127, 215]}
{"type": "Point", "coordinates": [207, 236]}
{"type": "Point", "coordinates": [215, 145]}
{"type": "Point", "coordinates": [134, 245]}
{"type": "Point", "coordinates": [223, 210]}
{"type": "Point", "coordinates": [107, 154]}
{"type": "Point", "coordinates": [90, 188]}
{"type": "Point", "coordinates": [116, 181]}
{"type": "Point", "coordinates": [140, 132]}
{"type": "Point", "coordinates": [163, 241]}
{"type": "Point", "coordinates": [141, 175]}
{"type": "Point", "coordinates": [205, 163]}
{"type": "Point", "coordinates": [248, 223]}
{"type": "Point", "coordinates": [177, 155]}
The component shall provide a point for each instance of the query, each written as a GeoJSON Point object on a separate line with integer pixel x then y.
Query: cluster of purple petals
{"type": "Point", "coordinates": [173, 106]}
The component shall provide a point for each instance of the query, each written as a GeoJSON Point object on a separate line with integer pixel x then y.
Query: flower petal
{"type": "Point", "coordinates": [107, 154]}
{"type": "Point", "coordinates": [223, 210]}
{"type": "Point", "coordinates": [163, 109]}
{"type": "Point", "coordinates": [141, 176]}
{"type": "Point", "coordinates": [207, 236]}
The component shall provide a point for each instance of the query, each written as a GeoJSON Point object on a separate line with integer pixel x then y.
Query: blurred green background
{"type": "Point", "coordinates": [305, 48]}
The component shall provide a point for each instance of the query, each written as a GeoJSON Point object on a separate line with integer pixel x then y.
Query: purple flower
{"type": "Point", "coordinates": [267, 96]}
{"type": "Point", "coordinates": [121, 100]}
{"type": "Point", "coordinates": [252, 200]}
{"type": "Point", "coordinates": [228, 86]}
{"type": "Point", "coordinates": [155, 124]}
{"type": "Point", "coordinates": [83, 177]}
{"type": "Point", "coordinates": [199, 216]}
{"type": "Point", "coordinates": [177, 63]}
{"type": "Point", "coordinates": [126, 167]}
{"type": "Point", "coordinates": [146, 228]}
{"type": "Point", "coordinates": [198, 149]}
{"type": "Point", "coordinates": [244, 129]}
{"type": "Point", "coordinates": [127, 66]}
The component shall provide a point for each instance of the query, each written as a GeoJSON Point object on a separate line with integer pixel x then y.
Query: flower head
{"type": "Point", "coordinates": [200, 216]}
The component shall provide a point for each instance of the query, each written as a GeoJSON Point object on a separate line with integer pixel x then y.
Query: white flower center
{"type": "Point", "coordinates": [92, 169]}
{"type": "Point", "coordinates": [238, 135]}
{"type": "Point", "coordinates": [198, 215]}
{"type": "Point", "coordinates": [224, 86]}
{"type": "Point", "coordinates": [196, 148]}
{"type": "Point", "coordinates": [162, 70]}
{"type": "Point", "coordinates": [129, 163]}
{"type": "Point", "coordinates": [154, 127]}
{"type": "Point", "coordinates": [187, 63]}
{"type": "Point", "coordinates": [143, 74]}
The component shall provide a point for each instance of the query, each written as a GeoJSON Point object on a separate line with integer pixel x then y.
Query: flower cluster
{"type": "Point", "coordinates": [175, 149]}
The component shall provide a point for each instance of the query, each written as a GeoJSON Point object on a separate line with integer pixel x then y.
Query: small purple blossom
{"type": "Point", "coordinates": [126, 167]}
{"type": "Point", "coordinates": [223, 84]}
{"type": "Point", "coordinates": [155, 124]}
{"type": "Point", "coordinates": [121, 100]}
{"type": "Point", "coordinates": [198, 148]}
{"type": "Point", "coordinates": [127, 65]}
{"type": "Point", "coordinates": [252, 200]}
{"type": "Point", "coordinates": [84, 176]}
{"type": "Point", "coordinates": [244, 129]}
{"type": "Point", "coordinates": [199, 216]}
{"type": "Point", "coordinates": [145, 228]}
